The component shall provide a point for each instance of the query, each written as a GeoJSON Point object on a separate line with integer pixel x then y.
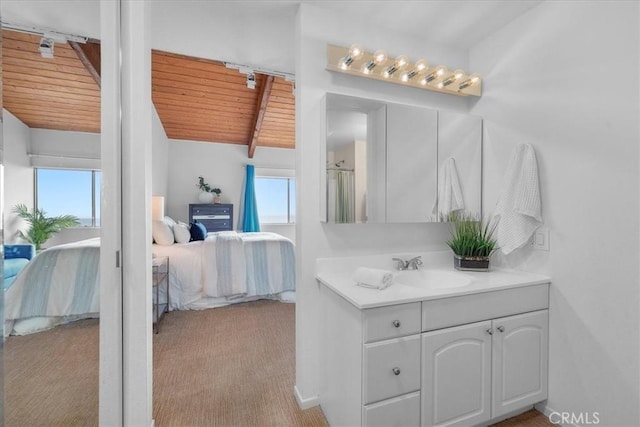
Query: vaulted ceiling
{"type": "Point", "coordinates": [196, 99]}
{"type": "Point", "coordinates": [202, 100]}
{"type": "Point", "coordinates": [50, 93]}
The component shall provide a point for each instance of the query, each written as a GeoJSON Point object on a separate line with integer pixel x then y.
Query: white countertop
{"type": "Point", "coordinates": [337, 275]}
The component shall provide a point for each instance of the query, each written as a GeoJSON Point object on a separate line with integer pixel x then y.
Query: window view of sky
{"type": "Point", "coordinates": [67, 192]}
{"type": "Point", "coordinates": [272, 197]}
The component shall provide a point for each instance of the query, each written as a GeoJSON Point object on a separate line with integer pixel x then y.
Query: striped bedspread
{"type": "Point", "coordinates": [60, 281]}
{"type": "Point", "coordinates": [241, 264]}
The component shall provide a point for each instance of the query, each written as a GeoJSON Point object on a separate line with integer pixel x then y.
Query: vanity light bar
{"type": "Point", "coordinates": [356, 61]}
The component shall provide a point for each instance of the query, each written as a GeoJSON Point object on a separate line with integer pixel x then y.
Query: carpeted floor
{"type": "Point", "coordinates": [51, 378]}
{"type": "Point", "coordinates": [232, 366]}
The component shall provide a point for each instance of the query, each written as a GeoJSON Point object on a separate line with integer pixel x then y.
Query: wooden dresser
{"type": "Point", "coordinates": [216, 217]}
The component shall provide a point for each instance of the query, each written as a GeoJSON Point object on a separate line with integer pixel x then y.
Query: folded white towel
{"type": "Point", "coordinates": [519, 209]}
{"type": "Point", "coordinates": [450, 197]}
{"type": "Point", "coordinates": [373, 278]}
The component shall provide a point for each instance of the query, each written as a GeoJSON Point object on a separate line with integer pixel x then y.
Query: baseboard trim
{"type": "Point", "coordinates": [307, 403]}
{"type": "Point", "coordinates": [547, 411]}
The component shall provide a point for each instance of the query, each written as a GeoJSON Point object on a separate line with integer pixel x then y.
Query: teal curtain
{"type": "Point", "coordinates": [250, 220]}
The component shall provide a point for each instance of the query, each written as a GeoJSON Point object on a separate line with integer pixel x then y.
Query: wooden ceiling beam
{"type": "Point", "coordinates": [89, 55]}
{"type": "Point", "coordinates": [261, 106]}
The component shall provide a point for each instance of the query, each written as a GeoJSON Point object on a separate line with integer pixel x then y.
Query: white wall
{"type": "Point", "coordinates": [221, 165]}
{"type": "Point", "coordinates": [160, 157]}
{"type": "Point", "coordinates": [18, 174]}
{"type": "Point", "coordinates": [255, 33]}
{"type": "Point", "coordinates": [80, 145]}
{"type": "Point", "coordinates": [548, 81]}
{"type": "Point", "coordinates": [316, 28]}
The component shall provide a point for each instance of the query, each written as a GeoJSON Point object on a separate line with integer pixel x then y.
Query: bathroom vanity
{"type": "Point", "coordinates": [438, 347]}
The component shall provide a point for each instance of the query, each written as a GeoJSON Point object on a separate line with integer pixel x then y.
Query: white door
{"type": "Point", "coordinates": [456, 375]}
{"type": "Point", "coordinates": [520, 363]}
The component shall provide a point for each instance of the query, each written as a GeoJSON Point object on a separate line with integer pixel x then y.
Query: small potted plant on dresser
{"type": "Point", "coordinates": [472, 242]}
{"type": "Point", "coordinates": [207, 192]}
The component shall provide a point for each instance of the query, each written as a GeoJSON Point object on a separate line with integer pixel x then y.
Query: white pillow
{"type": "Point", "coordinates": [169, 221]}
{"type": "Point", "coordinates": [161, 233]}
{"type": "Point", "coordinates": [181, 233]}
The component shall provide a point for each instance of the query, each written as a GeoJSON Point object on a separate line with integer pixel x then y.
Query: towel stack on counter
{"type": "Point", "coordinates": [373, 278]}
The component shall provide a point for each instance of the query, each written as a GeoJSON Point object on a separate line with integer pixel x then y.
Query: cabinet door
{"type": "Point", "coordinates": [412, 163]}
{"type": "Point", "coordinates": [456, 375]}
{"type": "Point", "coordinates": [520, 361]}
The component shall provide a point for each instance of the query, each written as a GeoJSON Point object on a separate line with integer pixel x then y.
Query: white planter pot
{"type": "Point", "coordinates": [205, 197]}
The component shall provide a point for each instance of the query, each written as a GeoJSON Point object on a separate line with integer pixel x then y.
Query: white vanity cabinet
{"type": "Point", "coordinates": [482, 371]}
{"type": "Point", "coordinates": [458, 359]}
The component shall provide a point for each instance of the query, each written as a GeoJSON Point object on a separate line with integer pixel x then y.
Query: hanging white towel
{"type": "Point", "coordinates": [450, 197]}
{"type": "Point", "coordinates": [519, 207]}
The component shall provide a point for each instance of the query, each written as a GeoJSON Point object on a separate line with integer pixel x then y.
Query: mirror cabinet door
{"type": "Point", "coordinates": [355, 160]}
{"type": "Point", "coordinates": [394, 163]}
{"type": "Point", "coordinates": [412, 163]}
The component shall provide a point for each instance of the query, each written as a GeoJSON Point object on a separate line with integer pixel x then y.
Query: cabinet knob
{"type": "Point", "coordinates": [490, 331]}
{"type": "Point", "coordinates": [396, 371]}
{"type": "Point", "coordinates": [396, 323]}
{"type": "Point", "coordinates": [501, 328]}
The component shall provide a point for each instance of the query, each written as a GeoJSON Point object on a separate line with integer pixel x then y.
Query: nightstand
{"type": "Point", "coordinates": [160, 279]}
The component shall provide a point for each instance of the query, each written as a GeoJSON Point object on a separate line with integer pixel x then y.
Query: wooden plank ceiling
{"type": "Point", "coordinates": [51, 93]}
{"type": "Point", "coordinates": [202, 100]}
{"type": "Point", "coordinates": [196, 99]}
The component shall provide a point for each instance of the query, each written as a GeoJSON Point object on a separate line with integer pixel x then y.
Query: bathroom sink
{"type": "Point", "coordinates": [434, 279]}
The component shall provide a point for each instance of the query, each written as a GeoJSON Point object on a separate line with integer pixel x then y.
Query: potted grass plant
{"type": "Point", "coordinates": [41, 227]}
{"type": "Point", "coordinates": [472, 242]}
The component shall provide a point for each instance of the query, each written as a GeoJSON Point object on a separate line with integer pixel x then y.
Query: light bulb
{"type": "Point", "coordinates": [421, 65]}
{"type": "Point", "coordinates": [438, 72]}
{"type": "Point", "coordinates": [398, 64]}
{"type": "Point", "coordinates": [401, 61]}
{"type": "Point", "coordinates": [473, 79]}
{"type": "Point", "coordinates": [356, 51]}
{"type": "Point", "coordinates": [458, 74]}
{"type": "Point", "coordinates": [419, 68]}
{"type": "Point", "coordinates": [379, 57]}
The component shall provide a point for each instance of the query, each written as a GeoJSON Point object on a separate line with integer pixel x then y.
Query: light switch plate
{"type": "Point", "coordinates": [540, 239]}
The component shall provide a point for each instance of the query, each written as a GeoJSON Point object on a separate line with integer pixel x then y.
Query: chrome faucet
{"type": "Point", "coordinates": [412, 264]}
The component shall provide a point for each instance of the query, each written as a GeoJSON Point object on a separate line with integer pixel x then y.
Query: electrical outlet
{"type": "Point", "coordinates": [540, 239]}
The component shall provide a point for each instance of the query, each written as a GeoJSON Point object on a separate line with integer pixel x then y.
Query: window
{"type": "Point", "coordinates": [69, 192]}
{"type": "Point", "coordinates": [276, 199]}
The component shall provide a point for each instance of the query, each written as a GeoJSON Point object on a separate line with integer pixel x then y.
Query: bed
{"type": "Point", "coordinates": [61, 284]}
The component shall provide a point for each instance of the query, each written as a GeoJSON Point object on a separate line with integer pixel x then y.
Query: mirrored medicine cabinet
{"type": "Point", "coordinates": [394, 163]}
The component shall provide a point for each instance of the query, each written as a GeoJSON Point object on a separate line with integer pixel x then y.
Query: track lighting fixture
{"type": "Point", "coordinates": [46, 47]}
{"type": "Point", "coordinates": [251, 80]}
{"type": "Point", "coordinates": [356, 61]}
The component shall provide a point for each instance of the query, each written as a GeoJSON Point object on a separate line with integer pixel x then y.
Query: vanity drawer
{"type": "Point", "coordinates": [391, 368]}
{"type": "Point", "coordinates": [402, 411]}
{"type": "Point", "coordinates": [391, 322]}
{"type": "Point", "coordinates": [446, 312]}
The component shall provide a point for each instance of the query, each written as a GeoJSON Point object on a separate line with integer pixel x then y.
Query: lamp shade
{"type": "Point", "coordinates": [157, 208]}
